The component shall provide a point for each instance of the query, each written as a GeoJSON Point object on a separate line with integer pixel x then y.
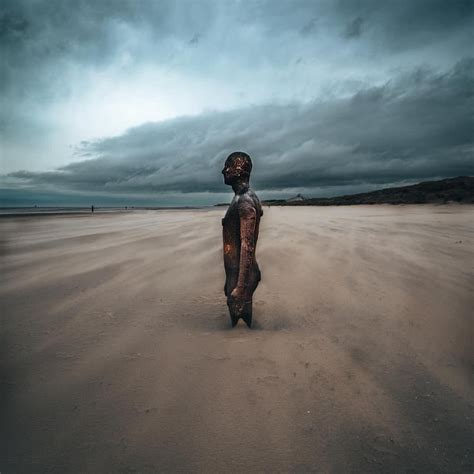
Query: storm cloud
{"type": "Point", "coordinates": [147, 98]}
{"type": "Point", "coordinates": [399, 131]}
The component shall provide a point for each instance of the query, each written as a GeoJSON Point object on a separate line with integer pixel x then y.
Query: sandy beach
{"type": "Point", "coordinates": [117, 353]}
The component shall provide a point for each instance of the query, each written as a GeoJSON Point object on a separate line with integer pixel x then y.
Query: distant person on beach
{"type": "Point", "coordinates": [92, 208]}
{"type": "Point", "coordinates": [240, 234]}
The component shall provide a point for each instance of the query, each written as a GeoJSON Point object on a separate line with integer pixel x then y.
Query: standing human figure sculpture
{"type": "Point", "coordinates": [240, 234]}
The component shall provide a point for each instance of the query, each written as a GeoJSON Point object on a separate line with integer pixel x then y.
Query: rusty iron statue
{"type": "Point", "coordinates": [240, 234]}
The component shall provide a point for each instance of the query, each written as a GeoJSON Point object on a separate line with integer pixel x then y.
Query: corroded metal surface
{"type": "Point", "coordinates": [240, 234]}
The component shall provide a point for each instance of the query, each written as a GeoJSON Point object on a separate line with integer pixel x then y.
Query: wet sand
{"type": "Point", "coordinates": [117, 353]}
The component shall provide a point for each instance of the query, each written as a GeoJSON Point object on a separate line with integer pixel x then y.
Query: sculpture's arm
{"type": "Point", "coordinates": [248, 217]}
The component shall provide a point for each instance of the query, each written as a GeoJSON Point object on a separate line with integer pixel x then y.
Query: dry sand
{"type": "Point", "coordinates": [117, 353]}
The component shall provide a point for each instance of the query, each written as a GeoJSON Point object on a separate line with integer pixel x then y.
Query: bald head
{"type": "Point", "coordinates": [237, 165]}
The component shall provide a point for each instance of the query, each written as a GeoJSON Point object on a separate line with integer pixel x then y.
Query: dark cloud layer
{"type": "Point", "coordinates": [44, 41]}
{"type": "Point", "coordinates": [416, 127]}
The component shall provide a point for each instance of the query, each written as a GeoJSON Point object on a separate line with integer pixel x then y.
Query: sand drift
{"type": "Point", "coordinates": [117, 353]}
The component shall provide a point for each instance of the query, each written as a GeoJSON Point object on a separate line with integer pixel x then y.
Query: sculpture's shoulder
{"type": "Point", "coordinates": [248, 201]}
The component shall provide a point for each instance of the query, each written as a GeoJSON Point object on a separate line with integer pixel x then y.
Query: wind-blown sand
{"type": "Point", "coordinates": [117, 353]}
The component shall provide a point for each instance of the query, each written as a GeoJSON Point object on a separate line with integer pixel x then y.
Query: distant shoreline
{"type": "Point", "coordinates": [42, 211]}
{"type": "Point", "coordinates": [459, 190]}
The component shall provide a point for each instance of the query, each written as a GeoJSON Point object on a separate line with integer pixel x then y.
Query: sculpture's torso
{"type": "Point", "coordinates": [232, 239]}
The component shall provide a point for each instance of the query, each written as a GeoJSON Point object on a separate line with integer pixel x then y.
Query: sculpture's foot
{"type": "Point", "coordinates": [244, 313]}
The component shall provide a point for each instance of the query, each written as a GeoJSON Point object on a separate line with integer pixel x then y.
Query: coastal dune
{"type": "Point", "coordinates": [117, 353]}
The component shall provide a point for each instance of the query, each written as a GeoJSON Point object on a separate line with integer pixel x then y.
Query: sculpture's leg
{"type": "Point", "coordinates": [234, 318]}
{"type": "Point", "coordinates": [230, 282]}
{"type": "Point", "coordinates": [255, 277]}
{"type": "Point", "coordinates": [247, 313]}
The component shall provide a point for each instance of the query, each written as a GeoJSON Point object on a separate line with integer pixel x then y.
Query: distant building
{"type": "Point", "coordinates": [298, 197]}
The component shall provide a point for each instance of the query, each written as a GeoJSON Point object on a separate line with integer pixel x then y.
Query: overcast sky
{"type": "Point", "coordinates": [140, 101]}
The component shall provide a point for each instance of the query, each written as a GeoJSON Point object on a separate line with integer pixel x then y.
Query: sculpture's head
{"type": "Point", "coordinates": [237, 166]}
